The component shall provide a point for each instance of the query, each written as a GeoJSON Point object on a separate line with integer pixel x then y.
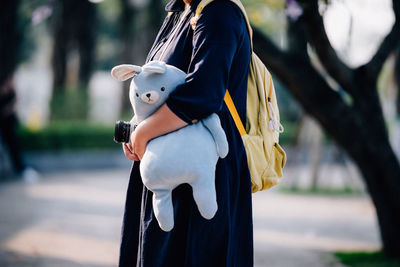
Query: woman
{"type": "Point", "coordinates": [216, 56]}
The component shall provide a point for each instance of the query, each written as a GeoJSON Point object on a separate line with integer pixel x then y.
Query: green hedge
{"type": "Point", "coordinates": [70, 135]}
{"type": "Point", "coordinates": [366, 259]}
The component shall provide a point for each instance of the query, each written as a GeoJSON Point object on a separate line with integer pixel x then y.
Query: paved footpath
{"type": "Point", "coordinates": [74, 219]}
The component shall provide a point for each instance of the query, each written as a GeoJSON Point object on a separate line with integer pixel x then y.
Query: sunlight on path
{"type": "Point", "coordinates": [85, 250]}
{"type": "Point", "coordinates": [75, 218]}
{"type": "Point", "coordinates": [78, 218]}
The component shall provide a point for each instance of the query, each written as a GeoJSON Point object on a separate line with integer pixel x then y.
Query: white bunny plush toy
{"type": "Point", "coordinates": [188, 155]}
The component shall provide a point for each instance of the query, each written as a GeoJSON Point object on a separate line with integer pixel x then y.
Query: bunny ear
{"type": "Point", "coordinates": [155, 67]}
{"type": "Point", "coordinates": [125, 71]}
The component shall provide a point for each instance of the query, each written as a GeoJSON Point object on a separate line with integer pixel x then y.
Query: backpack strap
{"type": "Point", "coordinates": [232, 109]}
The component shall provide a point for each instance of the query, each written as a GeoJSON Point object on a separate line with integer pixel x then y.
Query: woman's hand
{"type": "Point", "coordinates": [128, 151]}
{"type": "Point", "coordinates": [134, 150]}
{"type": "Point", "coordinates": [163, 121]}
{"type": "Point", "coordinates": [139, 139]}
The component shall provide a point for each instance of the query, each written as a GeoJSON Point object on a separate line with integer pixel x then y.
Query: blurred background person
{"type": "Point", "coordinates": [8, 119]}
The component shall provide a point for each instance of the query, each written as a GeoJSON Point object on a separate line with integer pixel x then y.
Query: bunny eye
{"type": "Point", "coordinates": [163, 89]}
{"type": "Point", "coordinates": [137, 94]}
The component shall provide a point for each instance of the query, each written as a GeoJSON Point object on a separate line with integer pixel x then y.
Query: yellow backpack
{"type": "Point", "coordinates": [265, 156]}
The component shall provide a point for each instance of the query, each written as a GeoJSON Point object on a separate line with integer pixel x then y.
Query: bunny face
{"type": "Point", "coordinates": [150, 86]}
{"type": "Point", "coordinates": [148, 91]}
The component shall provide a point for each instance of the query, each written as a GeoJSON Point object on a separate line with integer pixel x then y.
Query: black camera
{"type": "Point", "coordinates": [122, 132]}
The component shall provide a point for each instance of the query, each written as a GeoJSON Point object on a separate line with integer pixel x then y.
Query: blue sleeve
{"type": "Point", "coordinates": [215, 41]}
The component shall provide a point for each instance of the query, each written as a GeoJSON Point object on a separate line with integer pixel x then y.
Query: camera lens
{"type": "Point", "coordinates": [122, 132]}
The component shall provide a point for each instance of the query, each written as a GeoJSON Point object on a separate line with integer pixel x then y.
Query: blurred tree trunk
{"type": "Point", "coordinates": [74, 34]}
{"type": "Point", "coordinates": [395, 128]}
{"type": "Point", "coordinates": [127, 31]}
{"type": "Point", "coordinates": [9, 39]}
{"type": "Point", "coordinates": [74, 29]}
{"type": "Point", "coordinates": [397, 78]}
{"type": "Point", "coordinates": [359, 127]}
{"type": "Point", "coordinates": [9, 48]}
{"type": "Point", "coordinates": [86, 32]}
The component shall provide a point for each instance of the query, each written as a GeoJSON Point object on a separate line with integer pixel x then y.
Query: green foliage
{"type": "Point", "coordinates": [68, 135]}
{"type": "Point", "coordinates": [69, 104]}
{"type": "Point", "coordinates": [289, 134]}
{"type": "Point", "coordinates": [367, 259]}
{"type": "Point", "coordinates": [289, 110]}
{"type": "Point", "coordinates": [268, 16]}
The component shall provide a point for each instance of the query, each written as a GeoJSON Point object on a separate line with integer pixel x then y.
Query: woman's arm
{"type": "Point", "coordinates": [163, 121]}
{"type": "Point", "coordinates": [216, 38]}
{"type": "Point", "coordinates": [215, 41]}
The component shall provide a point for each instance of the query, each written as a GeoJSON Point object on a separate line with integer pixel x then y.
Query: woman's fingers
{"type": "Point", "coordinates": [128, 151]}
{"type": "Point", "coordinates": [139, 141]}
{"type": "Point", "coordinates": [140, 148]}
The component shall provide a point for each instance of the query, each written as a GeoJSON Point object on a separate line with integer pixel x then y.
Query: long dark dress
{"type": "Point", "coordinates": [216, 57]}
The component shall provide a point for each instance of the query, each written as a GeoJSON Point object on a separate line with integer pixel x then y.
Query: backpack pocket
{"type": "Point", "coordinates": [256, 160]}
{"type": "Point", "coordinates": [265, 164]}
{"type": "Point", "coordinates": [280, 159]}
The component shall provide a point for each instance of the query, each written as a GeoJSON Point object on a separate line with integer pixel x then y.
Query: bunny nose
{"type": "Point", "coordinates": [150, 97]}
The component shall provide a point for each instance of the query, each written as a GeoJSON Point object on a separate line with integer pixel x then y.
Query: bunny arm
{"type": "Point", "coordinates": [213, 124]}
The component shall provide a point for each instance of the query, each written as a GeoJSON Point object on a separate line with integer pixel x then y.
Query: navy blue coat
{"type": "Point", "coordinates": [216, 56]}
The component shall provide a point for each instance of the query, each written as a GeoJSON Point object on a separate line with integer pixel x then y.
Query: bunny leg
{"type": "Point", "coordinates": [205, 197]}
{"type": "Point", "coordinates": [163, 210]}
